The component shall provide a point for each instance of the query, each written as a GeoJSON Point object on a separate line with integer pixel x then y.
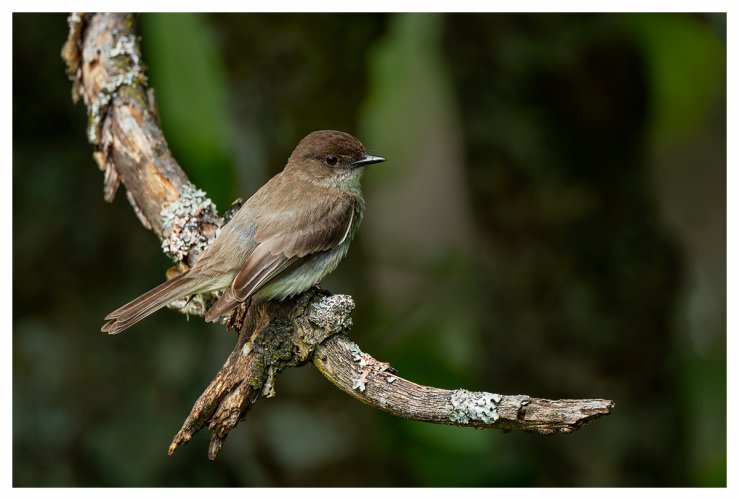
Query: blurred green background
{"type": "Point", "coordinates": [551, 221]}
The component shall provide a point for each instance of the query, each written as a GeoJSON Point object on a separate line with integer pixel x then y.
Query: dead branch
{"type": "Point", "coordinates": [105, 66]}
{"type": "Point", "coordinates": [104, 62]}
{"type": "Point", "coordinates": [342, 362]}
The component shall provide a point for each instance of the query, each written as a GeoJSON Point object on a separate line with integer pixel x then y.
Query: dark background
{"type": "Point", "coordinates": [550, 221]}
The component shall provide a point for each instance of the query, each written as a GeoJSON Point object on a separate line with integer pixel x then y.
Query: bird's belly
{"type": "Point", "coordinates": [304, 277]}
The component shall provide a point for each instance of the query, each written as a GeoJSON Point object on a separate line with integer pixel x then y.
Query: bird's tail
{"type": "Point", "coordinates": [148, 303]}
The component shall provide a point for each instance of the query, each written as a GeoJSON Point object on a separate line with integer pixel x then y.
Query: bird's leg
{"type": "Point", "coordinates": [322, 291]}
{"type": "Point", "coordinates": [236, 318]}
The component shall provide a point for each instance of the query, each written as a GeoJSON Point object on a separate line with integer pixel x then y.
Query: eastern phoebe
{"type": "Point", "coordinates": [282, 241]}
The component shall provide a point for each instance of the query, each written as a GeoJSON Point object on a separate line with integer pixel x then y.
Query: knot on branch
{"type": "Point", "coordinates": [290, 340]}
{"type": "Point", "coordinates": [327, 316]}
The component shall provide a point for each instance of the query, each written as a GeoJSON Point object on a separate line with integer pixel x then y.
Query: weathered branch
{"type": "Point", "coordinates": [104, 62]}
{"type": "Point", "coordinates": [342, 362]}
{"type": "Point", "coordinates": [105, 65]}
{"type": "Point", "coordinates": [273, 336]}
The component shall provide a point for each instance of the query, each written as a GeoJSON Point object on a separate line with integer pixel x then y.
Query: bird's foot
{"type": "Point", "coordinates": [322, 291]}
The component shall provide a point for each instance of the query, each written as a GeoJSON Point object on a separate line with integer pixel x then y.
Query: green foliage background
{"type": "Point", "coordinates": [550, 221]}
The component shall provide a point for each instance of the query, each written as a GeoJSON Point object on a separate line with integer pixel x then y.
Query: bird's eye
{"type": "Point", "coordinates": [331, 160]}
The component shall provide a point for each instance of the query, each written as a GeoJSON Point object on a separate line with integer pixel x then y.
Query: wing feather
{"type": "Point", "coordinates": [280, 252]}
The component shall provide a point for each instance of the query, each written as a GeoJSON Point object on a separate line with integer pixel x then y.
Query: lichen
{"type": "Point", "coordinates": [181, 223]}
{"type": "Point", "coordinates": [367, 366]}
{"type": "Point", "coordinates": [268, 389]}
{"type": "Point", "coordinates": [272, 351]}
{"type": "Point", "coordinates": [332, 313]}
{"type": "Point", "coordinates": [473, 407]}
{"type": "Point", "coordinates": [125, 46]}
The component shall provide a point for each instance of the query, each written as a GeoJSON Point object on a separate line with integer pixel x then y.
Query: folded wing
{"type": "Point", "coordinates": [284, 245]}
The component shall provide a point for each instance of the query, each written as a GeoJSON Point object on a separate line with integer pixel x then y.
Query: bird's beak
{"type": "Point", "coordinates": [367, 160]}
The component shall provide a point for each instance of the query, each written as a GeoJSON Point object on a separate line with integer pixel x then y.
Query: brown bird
{"type": "Point", "coordinates": [290, 234]}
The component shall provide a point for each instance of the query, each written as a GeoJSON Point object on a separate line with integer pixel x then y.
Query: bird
{"type": "Point", "coordinates": [282, 241]}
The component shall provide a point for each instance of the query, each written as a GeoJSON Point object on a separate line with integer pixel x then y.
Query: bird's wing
{"type": "Point", "coordinates": [287, 246]}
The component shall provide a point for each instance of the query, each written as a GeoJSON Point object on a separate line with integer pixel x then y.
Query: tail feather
{"type": "Point", "coordinates": [148, 303]}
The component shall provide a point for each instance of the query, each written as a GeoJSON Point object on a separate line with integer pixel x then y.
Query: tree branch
{"type": "Point", "coordinates": [342, 362]}
{"type": "Point", "coordinates": [104, 63]}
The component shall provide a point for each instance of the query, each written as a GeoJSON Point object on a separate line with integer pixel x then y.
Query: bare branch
{"type": "Point", "coordinates": [342, 362]}
{"type": "Point", "coordinates": [104, 63]}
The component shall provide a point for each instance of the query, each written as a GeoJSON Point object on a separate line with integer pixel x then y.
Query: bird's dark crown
{"type": "Point", "coordinates": [325, 143]}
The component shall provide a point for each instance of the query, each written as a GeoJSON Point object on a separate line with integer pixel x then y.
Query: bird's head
{"type": "Point", "coordinates": [331, 157]}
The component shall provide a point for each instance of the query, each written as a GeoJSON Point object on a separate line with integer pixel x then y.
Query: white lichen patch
{"type": "Point", "coordinates": [268, 389]}
{"type": "Point", "coordinates": [359, 384]}
{"type": "Point", "coordinates": [332, 313]}
{"type": "Point", "coordinates": [99, 105]}
{"type": "Point", "coordinates": [125, 46]}
{"type": "Point", "coordinates": [468, 406]}
{"type": "Point", "coordinates": [180, 223]}
{"type": "Point", "coordinates": [367, 366]}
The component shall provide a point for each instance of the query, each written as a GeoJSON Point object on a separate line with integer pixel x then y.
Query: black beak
{"type": "Point", "coordinates": [367, 160]}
